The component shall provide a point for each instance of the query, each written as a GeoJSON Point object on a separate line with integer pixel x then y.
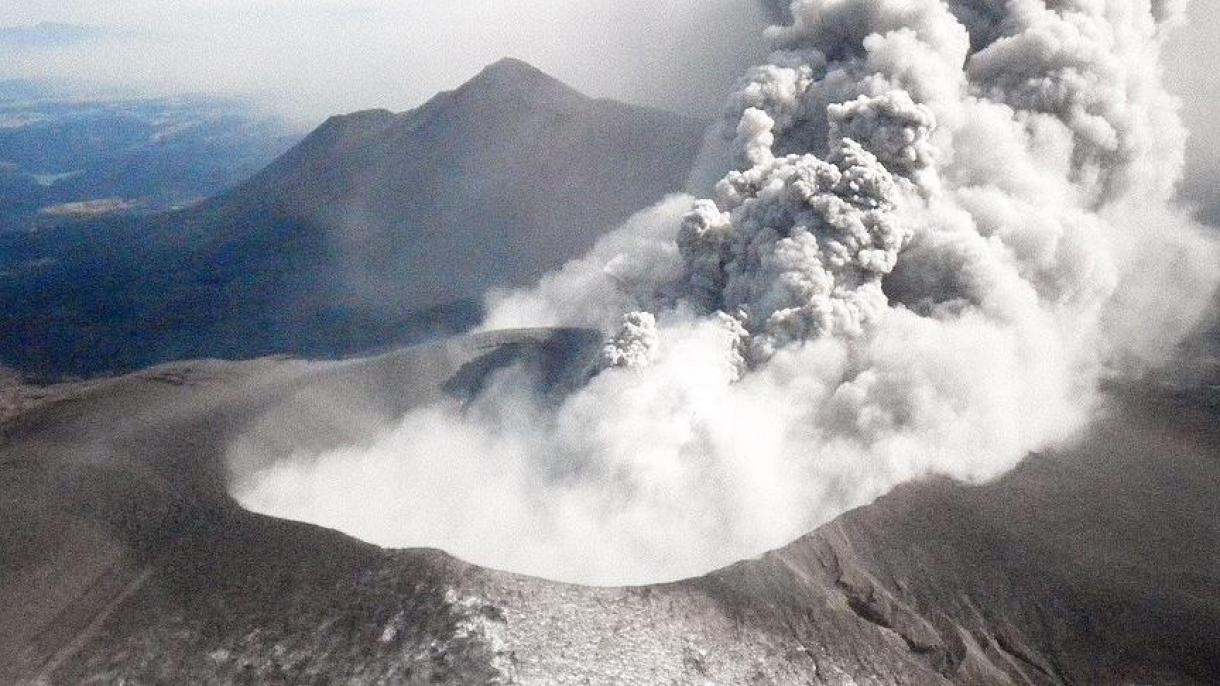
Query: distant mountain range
{"type": "Point", "coordinates": [376, 229]}
{"type": "Point", "coordinates": [62, 155]}
{"type": "Point", "coordinates": [45, 35]}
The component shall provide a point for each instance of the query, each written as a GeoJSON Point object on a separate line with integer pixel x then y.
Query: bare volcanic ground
{"type": "Point", "coordinates": [125, 559]}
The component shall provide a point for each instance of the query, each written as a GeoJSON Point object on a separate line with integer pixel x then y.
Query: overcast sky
{"type": "Point", "coordinates": [311, 58]}
{"type": "Point", "coordinates": [317, 57]}
{"type": "Point", "coordinates": [1193, 72]}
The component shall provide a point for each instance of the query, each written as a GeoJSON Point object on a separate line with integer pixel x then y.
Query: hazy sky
{"type": "Point", "coordinates": [311, 58]}
{"type": "Point", "coordinates": [1194, 74]}
{"type": "Point", "coordinates": [316, 57]}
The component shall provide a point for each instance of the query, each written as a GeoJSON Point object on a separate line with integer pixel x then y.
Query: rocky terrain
{"type": "Point", "coordinates": [125, 559]}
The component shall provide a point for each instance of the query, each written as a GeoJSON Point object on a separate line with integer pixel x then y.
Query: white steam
{"type": "Point", "coordinates": [947, 222]}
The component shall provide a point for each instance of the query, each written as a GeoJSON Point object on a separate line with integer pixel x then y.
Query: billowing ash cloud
{"type": "Point", "coordinates": [945, 223]}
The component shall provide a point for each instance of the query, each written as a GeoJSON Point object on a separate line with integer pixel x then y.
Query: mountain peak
{"type": "Point", "coordinates": [511, 75]}
{"type": "Point", "coordinates": [511, 67]}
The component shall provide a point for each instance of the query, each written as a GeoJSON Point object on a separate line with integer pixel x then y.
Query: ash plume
{"type": "Point", "coordinates": [944, 224]}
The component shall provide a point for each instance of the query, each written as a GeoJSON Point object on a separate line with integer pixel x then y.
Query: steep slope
{"type": "Point", "coordinates": [125, 560]}
{"type": "Point", "coordinates": [378, 228]}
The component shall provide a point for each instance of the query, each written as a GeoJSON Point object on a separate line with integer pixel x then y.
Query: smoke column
{"type": "Point", "coordinates": [941, 226]}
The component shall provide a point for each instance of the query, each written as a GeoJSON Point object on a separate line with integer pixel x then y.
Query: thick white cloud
{"type": "Point", "coordinates": [312, 58]}
{"type": "Point", "coordinates": [939, 231]}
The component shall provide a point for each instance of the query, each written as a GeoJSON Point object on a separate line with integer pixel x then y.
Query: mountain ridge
{"type": "Point", "coordinates": [1056, 573]}
{"type": "Point", "coordinates": [375, 229]}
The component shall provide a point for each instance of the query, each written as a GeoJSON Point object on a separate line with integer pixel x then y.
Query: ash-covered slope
{"type": "Point", "coordinates": [378, 228]}
{"type": "Point", "coordinates": [125, 559]}
{"type": "Point", "coordinates": [492, 184]}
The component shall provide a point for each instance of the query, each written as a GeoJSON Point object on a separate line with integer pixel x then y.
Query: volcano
{"type": "Point", "coordinates": [126, 559]}
{"type": "Point", "coordinates": [330, 250]}
{"type": "Point", "coordinates": [922, 389]}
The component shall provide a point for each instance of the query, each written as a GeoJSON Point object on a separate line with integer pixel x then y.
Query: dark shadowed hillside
{"type": "Point", "coordinates": [377, 228]}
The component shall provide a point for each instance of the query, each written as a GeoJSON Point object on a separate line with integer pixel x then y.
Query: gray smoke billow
{"type": "Point", "coordinates": [941, 225]}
